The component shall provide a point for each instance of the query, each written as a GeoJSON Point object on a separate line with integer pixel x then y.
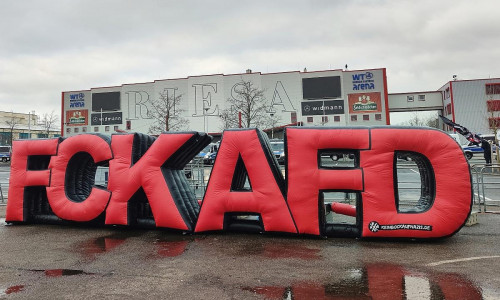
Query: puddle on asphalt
{"type": "Point", "coordinates": [379, 281]}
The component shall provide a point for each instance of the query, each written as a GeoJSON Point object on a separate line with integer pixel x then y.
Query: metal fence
{"type": "Point", "coordinates": [485, 182]}
{"type": "Point", "coordinates": [486, 187]}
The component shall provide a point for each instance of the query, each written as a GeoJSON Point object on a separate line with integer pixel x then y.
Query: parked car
{"type": "Point", "coordinates": [471, 149]}
{"type": "Point", "coordinates": [209, 153]}
{"type": "Point", "coordinates": [278, 148]}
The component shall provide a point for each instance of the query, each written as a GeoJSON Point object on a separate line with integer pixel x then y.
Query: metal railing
{"type": "Point", "coordinates": [486, 187]}
{"type": "Point", "coordinates": [485, 183]}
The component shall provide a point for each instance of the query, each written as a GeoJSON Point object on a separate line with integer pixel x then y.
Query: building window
{"type": "Point", "coordinates": [493, 105]}
{"type": "Point", "coordinates": [448, 109]}
{"type": "Point", "coordinates": [42, 136]}
{"type": "Point", "coordinates": [68, 130]}
{"type": "Point", "coordinates": [336, 118]}
{"type": "Point", "coordinates": [447, 93]}
{"type": "Point", "coordinates": [96, 129]}
{"type": "Point", "coordinates": [5, 138]}
{"type": "Point", "coordinates": [24, 135]}
{"type": "Point", "coordinates": [324, 119]}
{"type": "Point", "coordinates": [409, 98]}
{"type": "Point", "coordinates": [106, 128]}
{"type": "Point", "coordinates": [421, 97]}
{"type": "Point", "coordinates": [494, 122]}
{"type": "Point", "coordinates": [366, 117]}
{"type": "Point", "coordinates": [84, 129]}
{"type": "Point", "coordinates": [77, 129]}
{"type": "Point", "coordinates": [309, 119]}
{"type": "Point", "coordinates": [115, 128]}
{"type": "Point", "coordinates": [378, 117]}
{"type": "Point", "coordinates": [354, 118]}
{"type": "Point", "coordinates": [492, 88]}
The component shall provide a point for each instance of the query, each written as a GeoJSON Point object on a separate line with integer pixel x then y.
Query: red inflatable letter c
{"type": "Point", "coordinates": [71, 193]}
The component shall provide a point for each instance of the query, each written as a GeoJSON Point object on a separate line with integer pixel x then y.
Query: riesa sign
{"type": "Point", "coordinates": [53, 181]}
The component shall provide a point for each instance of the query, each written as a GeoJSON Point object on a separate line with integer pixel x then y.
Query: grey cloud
{"type": "Point", "coordinates": [49, 47]}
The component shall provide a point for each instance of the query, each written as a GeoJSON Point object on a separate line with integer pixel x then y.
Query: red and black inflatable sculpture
{"type": "Point", "coordinates": [52, 181]}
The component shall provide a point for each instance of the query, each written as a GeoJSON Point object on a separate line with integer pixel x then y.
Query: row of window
{"type": "Point", "coordinates": [24, 136]}
{"type": "Point", "coordinates": [411, 98]}
{"type": "Point", "coordinates": [354, 118]}
{"type": "Point", "coordinates": [492, 88]}
{"type": "Point", "coordinates": [96, 129]}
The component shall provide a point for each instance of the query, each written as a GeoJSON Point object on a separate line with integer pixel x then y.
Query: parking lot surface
{"type": "Point", "coordinates": [63, 262]}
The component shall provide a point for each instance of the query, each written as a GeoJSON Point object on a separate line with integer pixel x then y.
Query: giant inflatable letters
{"type": "Point", "coordinates": [52, 181]}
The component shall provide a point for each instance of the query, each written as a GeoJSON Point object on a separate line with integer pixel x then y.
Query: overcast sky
{"type": "Point", "coordinates": [47, 47]}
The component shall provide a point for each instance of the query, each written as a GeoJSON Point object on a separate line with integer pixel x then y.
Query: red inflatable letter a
{"type": "Point", "coordinates": [242, 150]}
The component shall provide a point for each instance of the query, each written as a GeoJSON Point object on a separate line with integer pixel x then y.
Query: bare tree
{"type": "Point", "coordinates": [12, 123]}
{"type": "Point", "coordinates": [250, 102]}
{"type": "Point", "coordinates": [417, 120]}
{"type": "Point", "coordinates": [432, 121]}
{"type": "Point", "coordinates": [49, 121]}
{"type": "Point", "coordinates": [166, 114]}
{"type": "Point", "coordinates": [272, 122]}
{"type": "Point", "coordinates": [229, 118]}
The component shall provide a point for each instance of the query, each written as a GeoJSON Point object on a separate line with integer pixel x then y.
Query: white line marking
{"type": "Point", "coordinates": [489, 199]}
{"type": "Point", "coordinates": [460, 260]}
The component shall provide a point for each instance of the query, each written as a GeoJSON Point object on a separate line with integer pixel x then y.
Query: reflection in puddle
{"type": "Point", "coordinates": [380, 281]}
{"type": "Point", "coordinates": [170, 248]}
{"type": "Point", "coordinates": [170, 245]}
{"type": "Point", "coordinates": [62, 272]}
{"type": "Point", "coordinates": [278, 250]}
{"type": "Point", "coordinates": [91, 248]}
{"type": "Point", "coordinates": [13, 289]}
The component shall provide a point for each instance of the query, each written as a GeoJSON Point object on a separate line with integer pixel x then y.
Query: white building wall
{"type": "Point", "coordinates": [469, 101]}
{"type": "Point", "coordinates": [203, 98]}
{"type": "Point", "coordinates": [416, 101]}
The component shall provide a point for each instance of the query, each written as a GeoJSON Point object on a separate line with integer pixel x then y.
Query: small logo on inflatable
{"type": "Point", "coordinates": [373, 226]}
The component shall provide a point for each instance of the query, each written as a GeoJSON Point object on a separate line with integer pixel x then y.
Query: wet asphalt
{"type": "Point", "coordinates": [63, 262]}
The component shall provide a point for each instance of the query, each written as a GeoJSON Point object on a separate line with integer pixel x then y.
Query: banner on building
{"type": "Point", "coordinates": [107, 118]}
{"type": "Point", "coordinates": [78, 117]}
{"type": "Point", "coordinates": [364, 102]}
{"type": "Point", "coordinates": [330, 107]}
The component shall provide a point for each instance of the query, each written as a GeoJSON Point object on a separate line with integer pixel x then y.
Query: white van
{"type": "Point", "coordinates": [5, 153]}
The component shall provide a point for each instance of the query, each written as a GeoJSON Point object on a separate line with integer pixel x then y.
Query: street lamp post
{"type": "Point", "coordinates": [205, 120]}
{"type": "Point", "coordinates": [272, 125]}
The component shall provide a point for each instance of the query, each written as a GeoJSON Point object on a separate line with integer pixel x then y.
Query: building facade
{"type": "Point", "coordinates": [474, 104]}
{"type": "Point", "coordinates": [331, 98]}
{"type": "Point", "coordinates": [15, 126]}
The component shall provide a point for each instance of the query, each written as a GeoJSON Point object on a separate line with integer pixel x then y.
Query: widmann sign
{"type": "Point", "coordinates": [52, 181]}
